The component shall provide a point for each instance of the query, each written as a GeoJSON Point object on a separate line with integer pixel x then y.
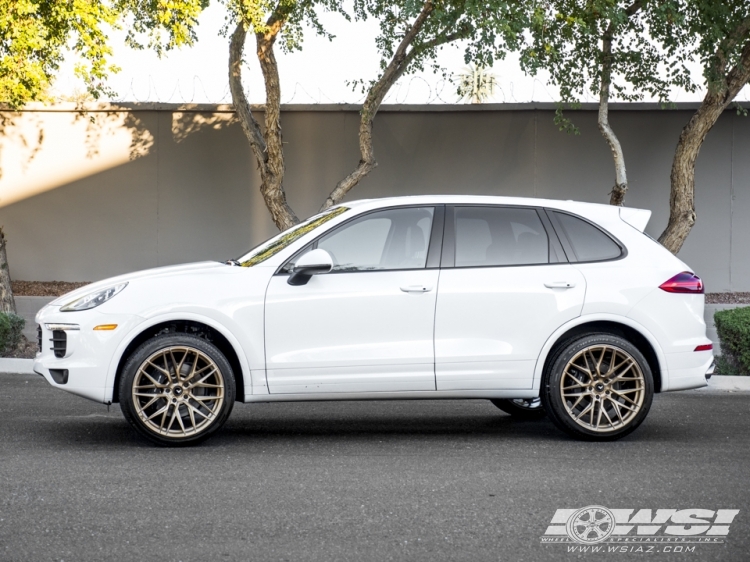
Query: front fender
{"type": "Point", "coordinates": [254, 379]}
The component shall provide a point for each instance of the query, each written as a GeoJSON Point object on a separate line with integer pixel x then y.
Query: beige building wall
{"type": "Point", "coordinates": [117, 189]}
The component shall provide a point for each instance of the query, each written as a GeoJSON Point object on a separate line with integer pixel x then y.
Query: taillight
{"type": "Point", "coordinates": [705, 347]}
{"type": "Point", "coordinates": [684, 282]}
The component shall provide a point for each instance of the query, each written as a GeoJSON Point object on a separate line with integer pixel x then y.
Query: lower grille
{"type": "Point", "coordinates": [39, 337]}
{"type": "Point", "coordinates": [60, 376]}
{"type": "Point", "coordinates": [59, 343]}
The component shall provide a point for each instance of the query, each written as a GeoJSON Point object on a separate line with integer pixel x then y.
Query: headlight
{"type": "Point", "coordinates": [92, 300]}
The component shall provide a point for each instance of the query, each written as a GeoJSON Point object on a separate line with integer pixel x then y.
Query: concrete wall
{"type": "Point", "coordinates": [122, 189]}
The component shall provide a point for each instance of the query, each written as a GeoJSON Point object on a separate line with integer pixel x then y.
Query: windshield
{"type": "Point", "coordinates": [274, 245]}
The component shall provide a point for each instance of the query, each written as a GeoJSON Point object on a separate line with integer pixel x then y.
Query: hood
{"type": "Point", "coordinates": [166, 271]}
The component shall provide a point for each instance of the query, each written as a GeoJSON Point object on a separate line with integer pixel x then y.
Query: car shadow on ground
{"type": "Point", "coordinates": [114, 431]}
{"type": "Point", "coordinates": [341, 422]}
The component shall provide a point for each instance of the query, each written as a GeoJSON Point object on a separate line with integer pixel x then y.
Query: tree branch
{"type": "Point", "coordinates": [399, 62]}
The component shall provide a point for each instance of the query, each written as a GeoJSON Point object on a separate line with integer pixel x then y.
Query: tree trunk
{"type": "Point", "coordinates": [7, 302]}
{"type": "Point", "coordinates": [267, 148]}
{"type": "Point", "coordinates": [682, 179]}
{"type": "Point", "coordinates": [617, 195]}
{"type": "Point", "coordinates": [375, 96]}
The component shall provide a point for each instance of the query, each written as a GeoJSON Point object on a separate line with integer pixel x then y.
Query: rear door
{"type": "Point", "coordinates": [505, 287]}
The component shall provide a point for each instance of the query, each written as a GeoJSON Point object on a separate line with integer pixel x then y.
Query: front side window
{"type": "Point", "coordinates": [389, 239]}
{"type": "Point", "coordinates": [496, 236]}
{"type": "Point", "coordinates": [588, 242]}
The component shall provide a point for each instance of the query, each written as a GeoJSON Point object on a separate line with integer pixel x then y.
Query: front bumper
{"type": "Point", "coordinates": [82, 365]}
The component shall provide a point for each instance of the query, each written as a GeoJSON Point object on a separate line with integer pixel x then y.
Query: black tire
{"type": "Point", "coordinates": [599, 405]}
{"type": "Point", "coordinates": [527, 409]}
{"type": "Point", "coordinates": [204, 399]}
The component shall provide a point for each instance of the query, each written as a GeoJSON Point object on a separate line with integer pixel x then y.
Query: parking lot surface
{"type": "Point", "coordinates": [400, 480]}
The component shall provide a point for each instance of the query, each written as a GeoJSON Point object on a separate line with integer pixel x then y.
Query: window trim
{"type": "Point", "coordinates": [568, 246]}
{"type": "Point", "coordinates": [435, 238]}
{"type": "Point", "coordinates": [449, 242]}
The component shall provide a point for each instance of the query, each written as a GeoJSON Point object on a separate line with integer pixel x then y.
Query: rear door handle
{"type": "Point", "coordinates": [416, 289]}
{"type": "Point", "coordinates": [560, 285]}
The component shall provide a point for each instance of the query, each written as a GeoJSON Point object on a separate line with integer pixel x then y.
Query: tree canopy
{"type": "Point", "coordinates": [626, 48]}
{"type": "Point", "coordinates": [648, 56]}
{"type": "Point", "coordinates": [37, 35]}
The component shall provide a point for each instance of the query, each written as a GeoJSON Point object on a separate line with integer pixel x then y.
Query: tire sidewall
{"type": "Point", "coordinates": [155, 345]}
{"type": "Point", "coordinates": [553, 402]}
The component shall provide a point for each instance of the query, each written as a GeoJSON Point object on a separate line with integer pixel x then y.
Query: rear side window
{"type": "Point", "coordinates": [487, 236]}
{"type": "Point", "coordinates": [588, 242]}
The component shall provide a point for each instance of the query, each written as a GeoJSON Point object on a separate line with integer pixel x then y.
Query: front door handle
{"type": "Point", "coordinates": [560, 285]}
{"type": "Point", "coordinates": [416, 289]}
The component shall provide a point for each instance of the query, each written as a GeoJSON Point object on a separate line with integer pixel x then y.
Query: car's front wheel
{"type": "Point", "coordinates": [177, 389]}
{"type": "Point", "coordinates": [598, 388]}
{"type": "Point", "coordinates": [521, 408]}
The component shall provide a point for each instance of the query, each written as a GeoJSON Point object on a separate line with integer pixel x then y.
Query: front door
{"type": "Point", "coordinates": [367, 326]}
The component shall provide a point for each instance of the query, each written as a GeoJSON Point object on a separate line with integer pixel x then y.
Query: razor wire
{"type": "Point", "coordinates": [409, 90]}
{"type": "Point", "coordinates": [414, 89]}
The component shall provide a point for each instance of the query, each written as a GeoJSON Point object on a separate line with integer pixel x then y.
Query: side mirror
{"type": "Point", "coordinates": [312, 263]}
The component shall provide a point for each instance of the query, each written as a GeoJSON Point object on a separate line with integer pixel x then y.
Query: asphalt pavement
{"type": "Point", "coordinates": [351, 481]}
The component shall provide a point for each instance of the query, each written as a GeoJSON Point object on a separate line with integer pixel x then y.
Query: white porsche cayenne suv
{"type": "Point", "coordinates": [543, 307]}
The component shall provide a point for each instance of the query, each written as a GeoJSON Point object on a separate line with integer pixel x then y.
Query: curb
{"type": "Point", "coordinates": [728, 384]}
{"type": "Point", "coordinates": [17, 366]}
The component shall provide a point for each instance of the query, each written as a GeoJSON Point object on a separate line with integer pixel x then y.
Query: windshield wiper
{"type": "Point", "coordinates": [232, 262]}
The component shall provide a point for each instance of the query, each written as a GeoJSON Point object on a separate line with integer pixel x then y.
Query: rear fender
{"type": "Point", "coordinates": [601, 317]}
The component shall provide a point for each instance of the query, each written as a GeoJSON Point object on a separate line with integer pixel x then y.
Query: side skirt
{"type": "Point", "coordinates": [411, 395]}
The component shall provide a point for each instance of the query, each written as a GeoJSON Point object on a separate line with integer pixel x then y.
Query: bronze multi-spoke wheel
{"type": "Point", "coordinates": [177, 389]}
{"type": "Point", "coordinates": [521, 408]}
{"type": "Point", "coordinates": [599, 387]}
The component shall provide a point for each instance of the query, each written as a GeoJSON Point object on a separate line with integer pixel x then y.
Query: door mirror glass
{"type": "Point", "coordinates": [312, 263]}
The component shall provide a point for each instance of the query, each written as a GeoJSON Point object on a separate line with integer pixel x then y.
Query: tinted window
{"type": "Point", "coordinates": [391, 239]}
{"type": "Point", "coordinates": [589, 243]}
{"type": "Point", "coordinates": [499, 236]}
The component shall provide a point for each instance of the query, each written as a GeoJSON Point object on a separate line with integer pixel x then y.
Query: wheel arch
{"type": "Point", "coordinates": [620, 326]}
{"type": "Point", "coordinates": [189, 324]}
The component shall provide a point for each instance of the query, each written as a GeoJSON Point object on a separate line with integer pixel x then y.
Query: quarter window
{"type": "Point", "coordinates": [588, 242]}
{"type": "Point", "coordinates": [487, 236]}
{"type": "Point", "coordinates": [390, 239]}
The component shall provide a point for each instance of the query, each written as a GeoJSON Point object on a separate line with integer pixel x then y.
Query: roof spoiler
{"type": "Point", "coordinates": [637, 218]}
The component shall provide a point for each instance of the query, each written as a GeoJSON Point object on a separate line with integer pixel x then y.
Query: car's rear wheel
{"type": "Point", "coordinates": [598, 388]}
{"type": "Point", "coordinates": [177, 389]}
{"type": "Point", "coordinates": [522, 408]}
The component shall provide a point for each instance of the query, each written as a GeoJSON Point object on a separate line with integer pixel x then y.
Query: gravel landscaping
{"type": "Point", "coordinates": [45, 288]}
{"type": "Point", "coordinates": [727, 298]}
